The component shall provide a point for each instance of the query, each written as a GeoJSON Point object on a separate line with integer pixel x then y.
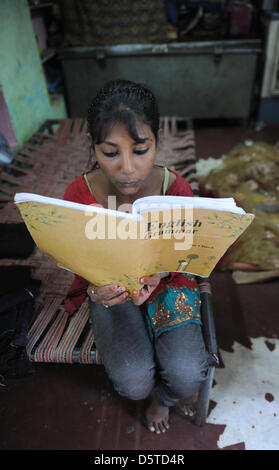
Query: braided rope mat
{"type": "Point", "coordinates": [46, 165]}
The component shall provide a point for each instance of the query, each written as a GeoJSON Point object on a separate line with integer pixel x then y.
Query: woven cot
{"type": "Point", "coordinates": [46, 164]}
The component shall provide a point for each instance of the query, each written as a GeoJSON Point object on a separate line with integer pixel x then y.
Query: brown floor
{"type": "Point", "coordinates": [214, 142]}
{"type": "Point", "coordinates": [75, 407]}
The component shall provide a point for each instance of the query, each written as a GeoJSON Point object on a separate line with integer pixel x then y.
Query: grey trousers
{"type": "Point", "coordinates": [174, 366]}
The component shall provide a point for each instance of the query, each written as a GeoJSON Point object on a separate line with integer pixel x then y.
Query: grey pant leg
{"type": "Point", "coordinates": [183, 362]}
{"type": "Point", "coordinates": [125, 348]}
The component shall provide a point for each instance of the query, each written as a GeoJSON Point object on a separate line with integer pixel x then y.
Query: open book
{"type": "Point", "coordinates": [160, 233]}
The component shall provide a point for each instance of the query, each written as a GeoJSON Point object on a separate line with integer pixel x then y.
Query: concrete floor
{"type": "Point", "coordinates": [74, 407]}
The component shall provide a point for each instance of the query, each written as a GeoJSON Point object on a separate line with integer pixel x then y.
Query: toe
{"type": "Point", "coordinates": [151, 427]}
{"type": "Point", "coordinates": [166, 425]}
{"type": "Point", "coordinates": [157, 428]}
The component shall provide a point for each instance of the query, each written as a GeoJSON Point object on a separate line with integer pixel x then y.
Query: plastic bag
{"type": "Point", "coordinates": [250, 173]}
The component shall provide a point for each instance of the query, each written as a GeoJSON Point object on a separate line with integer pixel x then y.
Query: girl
{"type": "Point", "coordinates": [150, 343]}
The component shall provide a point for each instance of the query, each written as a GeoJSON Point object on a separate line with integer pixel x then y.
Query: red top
{"type": "Point", "coordinates": [78, 191]}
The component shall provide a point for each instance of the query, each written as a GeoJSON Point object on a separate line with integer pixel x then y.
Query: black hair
{"type": "Point", "coordinates": [126, 102]}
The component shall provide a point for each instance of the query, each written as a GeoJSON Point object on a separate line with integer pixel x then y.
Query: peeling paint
{"type": "Point", "coordinates": [21, 74]}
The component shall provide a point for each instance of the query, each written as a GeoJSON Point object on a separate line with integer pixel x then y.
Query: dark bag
{"type": "Point", "coordinates": [15, 241]}
{"type": "Point", "coordinates": [18, 291]}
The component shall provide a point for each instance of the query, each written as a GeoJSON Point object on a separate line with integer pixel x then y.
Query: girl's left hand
{"type": "Point", "coordinates": [150, 284]}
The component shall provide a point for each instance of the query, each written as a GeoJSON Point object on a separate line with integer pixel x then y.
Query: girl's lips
{"type": "Point", "coordinates": [128, 183]}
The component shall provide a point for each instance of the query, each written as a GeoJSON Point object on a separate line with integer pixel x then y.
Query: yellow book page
{"type": "Point", "coordinates": [79, 242]}
{"type": "Point", "coordinates": [110, 250]}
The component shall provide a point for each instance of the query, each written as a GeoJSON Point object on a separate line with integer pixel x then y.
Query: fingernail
{"type": "Point", "coordinates": [143, 280]}
{"type": "Point", "coordinates": [114, 287]}
{"type": "Point", "coordinates": [134, 292]}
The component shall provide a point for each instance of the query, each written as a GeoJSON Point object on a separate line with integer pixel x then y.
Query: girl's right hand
{"type": "Point", "coordinates": [108, 295]}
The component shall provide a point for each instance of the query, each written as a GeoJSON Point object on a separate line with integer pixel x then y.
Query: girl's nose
{"type": "Point", "coordinates": [127, 163]}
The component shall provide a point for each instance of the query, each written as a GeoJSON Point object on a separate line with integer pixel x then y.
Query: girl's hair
{"type": "Point", "coordinates": [126, 102]}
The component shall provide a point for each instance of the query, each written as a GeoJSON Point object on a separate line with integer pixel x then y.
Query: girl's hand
{"type": "Point", "coordinates": [107, 295]}
{"type": "Point", "coordinates": [150, 284]}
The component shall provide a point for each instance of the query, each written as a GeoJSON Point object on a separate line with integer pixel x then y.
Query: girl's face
{"type": "Point", "coordinates": [127, 164]}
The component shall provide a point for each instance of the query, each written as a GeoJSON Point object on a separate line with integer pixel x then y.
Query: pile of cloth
{"type": "Point", "coordinates": [250, 174]}
{"type": "Point", "coordinates": [18, 291]}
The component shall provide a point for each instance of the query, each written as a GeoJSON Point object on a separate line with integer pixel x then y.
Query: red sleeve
{"type": "Point", "coordinates": [180, 187]}
{"type": "Point", "coordinates": [78, 191]}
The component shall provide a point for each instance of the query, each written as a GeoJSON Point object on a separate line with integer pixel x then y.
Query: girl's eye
{"type": "Point", "coordinates": [141, 152]}
{"type": "Point", "coordinates": [110, 154]}
{"type": "Point", "coordinates": [114, 154]}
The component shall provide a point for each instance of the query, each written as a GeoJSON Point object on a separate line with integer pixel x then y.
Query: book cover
{"type": "Point", "coordinates": [162, 233]}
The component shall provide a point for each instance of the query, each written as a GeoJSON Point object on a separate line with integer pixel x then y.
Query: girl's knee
{"type": "Point", "coordinates": [133, 383]}
{"type": "Point", "coordinates": [185, 371]}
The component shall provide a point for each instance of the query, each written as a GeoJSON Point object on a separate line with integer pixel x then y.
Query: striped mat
{"type": "Point", "coordinates": [57, 337]}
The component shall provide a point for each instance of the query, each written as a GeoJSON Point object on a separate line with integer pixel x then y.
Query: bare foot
{"type": "Point", "coordinates": [186, 406]}
{"type": "Point", "coordinates": [157, 416]}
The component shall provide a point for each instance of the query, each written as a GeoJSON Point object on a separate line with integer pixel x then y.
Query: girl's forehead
{"type": "Point", "coordinates": [119, 129]}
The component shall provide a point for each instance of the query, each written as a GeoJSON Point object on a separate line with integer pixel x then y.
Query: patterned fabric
{"type": "Point", "coordinates": [172, 307]}
{"type": "Point", "coordinates": [54, 337]}
{"type": "Point", "coordinates": [111, 22]}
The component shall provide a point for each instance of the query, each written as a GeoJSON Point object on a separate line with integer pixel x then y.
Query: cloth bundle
{"type": "Point", "coordinates": [18, 291]}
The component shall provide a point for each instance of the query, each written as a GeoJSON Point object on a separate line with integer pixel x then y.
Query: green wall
{"type": "Point", "coordinates": [21, 74]}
